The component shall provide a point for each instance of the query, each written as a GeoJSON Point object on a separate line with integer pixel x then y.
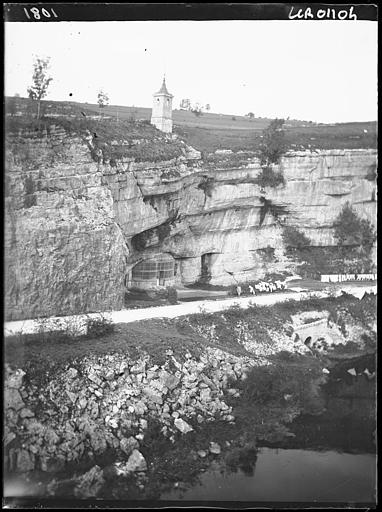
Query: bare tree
{"type": "Point", "coordinates": [41, 82]}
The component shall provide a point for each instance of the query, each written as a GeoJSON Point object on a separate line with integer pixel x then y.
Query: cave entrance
{"type": "Point", "coordinates": [207, 261]}
{"type": "Point", "coordinates": [158, 271]}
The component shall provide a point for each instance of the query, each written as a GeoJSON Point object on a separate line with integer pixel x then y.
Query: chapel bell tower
{"type": "Point", "coordinates": [161, 116]}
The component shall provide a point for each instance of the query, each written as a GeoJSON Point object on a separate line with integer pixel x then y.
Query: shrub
{"type": "Point", "coordinates": [294, 238]}
{"type": "Point", "coordinates": [207, 185]}
{"type": "Point", "coordinates": [172, 295]}
{"type": "Point", "coordinates": [267, 254]}
{"type": "Point", "coordinates": [268, 177]}
{"type": "Point", "coordinates": [350, 229]}
{"type": "Point", "coordinates": [98, 327]}
{"type": "Point", "coordinates": [372, 172]}
{"type": "Point", "coordinates": [274, 144]}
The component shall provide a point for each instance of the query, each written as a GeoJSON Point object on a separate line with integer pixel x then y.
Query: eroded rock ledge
{"type": "Point", "coordinates": [75, 227]}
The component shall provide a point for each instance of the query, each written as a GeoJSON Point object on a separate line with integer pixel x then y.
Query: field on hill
{"type": "Point", "coordinates": [210, 132]}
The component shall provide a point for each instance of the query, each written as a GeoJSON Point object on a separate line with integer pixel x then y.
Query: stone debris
{"type": "Point", "coordinates": [202, 453]}
{"type": "Point", "coordinates": [16, 379]}
{"type": "Point", "coordinates": [26, 413]}
{"type": "Point", "coordinates": [72, 373]}
{"type": "Point", "coordinates": [136, 462]}
{"type": "Point", "coordinates": [215, 448]}
{"type": "Point", "coordinates": [25, 461]}
{"type": "Point", "coordinates": [182, 425]}
{"type": "Point", "coordinates": [89, 484]}
{"type": "Point", "coordinates": [129, 444]}
{"type": "Point", "coordinates": [12, 399]}
{"type": "Point", "coordinates": [369, 375]}
{"type": "Point", "coordinates": [352, 372]}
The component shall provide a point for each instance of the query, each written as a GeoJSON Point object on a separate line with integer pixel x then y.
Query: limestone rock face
{"type": "Point", "coordinates": [75, 228]}
{"type": "Point", "coordinates": [64, 251]}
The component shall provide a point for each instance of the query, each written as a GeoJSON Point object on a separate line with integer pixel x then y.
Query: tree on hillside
{"type": "Point", "coordinates": [251, 115]}
{"type": "Point", "coordinates": [208, 107]}
{"type": "Point", "coordinates": [185, 104]}
{"type": "Point", "coordinates": [196, 109]}
{"type": "Point", "coordinates": [41, 82]}
{"type": "Point", "coordinates": [102, 99]}
{"type": "Point", "coordinates": [274, 144]}
{"type": "Point", "coordinates": [294, 238]}
{"type": "Point", "coordinates": [350, 229]}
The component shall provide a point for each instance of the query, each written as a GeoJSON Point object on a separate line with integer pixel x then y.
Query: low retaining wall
{"type": "Point", "coordinates": [340, 278]}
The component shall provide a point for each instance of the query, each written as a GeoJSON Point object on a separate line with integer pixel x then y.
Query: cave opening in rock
{"type": "Point", "coordinates": [308, 340]}
{"type": "Point", "coordinates": [207, 261]}
{"type": "Point", "coordinates": [158, 271]}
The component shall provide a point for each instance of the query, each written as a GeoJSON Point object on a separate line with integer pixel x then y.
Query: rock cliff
{"type": "Point", "coordinates": [75, 227]}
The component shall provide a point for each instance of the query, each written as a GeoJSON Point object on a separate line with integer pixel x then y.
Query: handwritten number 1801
{"type": "Point", "coordinates": [38, 14]}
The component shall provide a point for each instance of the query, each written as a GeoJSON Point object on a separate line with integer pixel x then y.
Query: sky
{"type": "Point", "coordinates": [322, 71]}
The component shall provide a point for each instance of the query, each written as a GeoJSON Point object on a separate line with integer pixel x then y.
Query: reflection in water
{"type": "Point", "coordinates": [291, 475]}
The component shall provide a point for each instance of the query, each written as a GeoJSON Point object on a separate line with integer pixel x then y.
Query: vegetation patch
{"type": "Point", "coordinates": [207, 185]}
{"type": "Point", "coordinates": [352, 255]}
{"type": "Point", "coordinates": [350, 229]}
{"type": "Point", "coordinates": [274, 144]}
{"type": "Point", "coordinates": [268, 177]}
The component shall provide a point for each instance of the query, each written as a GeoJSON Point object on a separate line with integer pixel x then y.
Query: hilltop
{"type": "Point", "coordinates": [206, 133]}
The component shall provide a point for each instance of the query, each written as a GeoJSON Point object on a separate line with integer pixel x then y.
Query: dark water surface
{"type": "Point", "coordinates": [330, 458]}
{"type": "Point", "coordinates": [291, 476]}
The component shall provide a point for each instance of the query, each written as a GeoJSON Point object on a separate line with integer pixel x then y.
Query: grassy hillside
{"type": "Point", "coordinates": [209, 131]}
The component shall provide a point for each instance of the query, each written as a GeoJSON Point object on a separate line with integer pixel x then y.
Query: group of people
{"type": "Point", "coordinates": [262, 286]}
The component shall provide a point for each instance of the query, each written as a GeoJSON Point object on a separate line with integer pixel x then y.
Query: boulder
{"type": "Point", "coordinates": [72, 373]}
{"type": "Point", "coordinates": [98, 441]}
{"type": "Point", "coordinates": [154, 395]}
{"type": "Point", "coordinates": [182, 425]}
{"type": "Point", "coordinates": [136, 462]}
{"type": "Point", "coordinates": [93, 377]}
{"type": "Point", "coordinates": [15, 380]}
{"type": "Point", "coordinates": [215, 448]}
{"type": "Point", "coordinates": [9, 437]}
{"type": "Point", "coordinates": [89, 484]}
{"type": "Point", "coordinates": [25, 461]}
{"type": "Point", "coordinates": [12, 399]}
{"type": "Point", "coordinates": [129, 444]}
{"type": "Point", "coordinates": [139, 408]}
{"type": "Point", "coordinates": [26, 413]}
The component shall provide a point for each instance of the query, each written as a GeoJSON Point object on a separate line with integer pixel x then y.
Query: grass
{"type": "Point", "coordinates": [126, 138]}
{"type": "Point", "coordinates": [340, 136]}
{"type": "Point", "coordinates": [218, 131]}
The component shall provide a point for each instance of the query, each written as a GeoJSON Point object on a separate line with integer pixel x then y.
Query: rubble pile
{"type": "Point", "coordinates": [105, 403]}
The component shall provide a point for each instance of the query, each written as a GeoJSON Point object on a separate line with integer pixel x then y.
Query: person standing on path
{"type": "Point", "coordinates": [238, 290]}
{"type": "Point", "coordinates": [251, 290]}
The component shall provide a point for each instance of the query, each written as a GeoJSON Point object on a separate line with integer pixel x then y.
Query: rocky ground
{"type": "Point", "coordinates": [129, 423]}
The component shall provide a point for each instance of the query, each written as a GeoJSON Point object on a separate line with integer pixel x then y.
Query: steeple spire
{"type": "Point", "coordinates": [163, 89]}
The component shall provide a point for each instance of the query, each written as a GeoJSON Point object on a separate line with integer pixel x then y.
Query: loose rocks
{"type": "Point", "coordinates": [136, 462]}
{"type": "Point", "coordinates": [182, 425]}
